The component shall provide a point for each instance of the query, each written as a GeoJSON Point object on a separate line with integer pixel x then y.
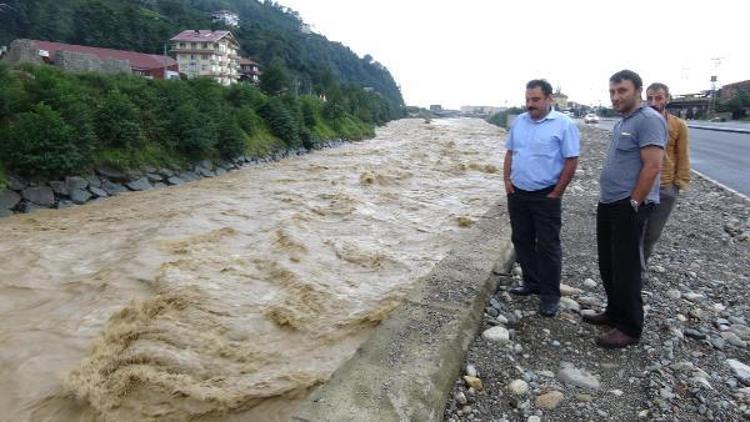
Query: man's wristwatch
{"type": "Point", "coordinates": [635, 204]}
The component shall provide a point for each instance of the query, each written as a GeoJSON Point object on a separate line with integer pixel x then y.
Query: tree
{"type": "Point", "coordinates": [274, 80]}
{"type": "Point", "coordinates": [40, 143]}
{"type": "Point", "coordinates": [117, 122]}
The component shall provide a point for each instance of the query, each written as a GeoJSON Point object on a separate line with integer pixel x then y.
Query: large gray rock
{"type": "Point", "coordinates": [17, 183]}
{"type": "Point", "coordinates": [220, 171]}
{"type": "Point", "coordinates": [76, 183]}
{"type": "Point", "coordinates": [39, 195]}
{"type": "Point", "coordinates": [569, 374]}
{"type": "Point", "coordinates": [113, 188]}
{"type": "Point", "coordinates": [64, 204]}
{"type": "Point", "coordinates": [174, 180]}
{"type": "Point", "coordinates": [94, 181]}
{"type": "Point", "coordinates": [5, 212]}
{"type": "Point", "coordinates": [112, 174]}
{"type": "Point", "coordinates": [497, 334]}
{"type": "Point", "coordinates": [8, 199]}
{"type": "Point", "coordinates": [59, 187]}
{"type": "Point", "coordinates": [188, 176]}
{"type": "Point", "coordinates": [154, 177]}
{"type": "Point", "coordinates": [166, 172]}
{"type": "Point", "coordinates": [204, 172]}
{"type": "Point", "coordinates": [205, 164]}
{"type": "Point", "coordinates": [226, 165]}
{"type": "Point", "coordinates": [28, 207]}
{"type": "Point", "coordinates": [140, 184]}
{"type": "Point", "coordinates": [741, 371]}
{"type": "Point", "coordinates": [98, 192]}
{"type": "Point", "coordinates": [80, 196]}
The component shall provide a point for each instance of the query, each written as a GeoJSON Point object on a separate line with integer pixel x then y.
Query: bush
{"type": "Point", "coordinates": [40, 143]}
{"type": "Point", "coordinates": [248, 120]}
{"type": "Point", "coordinates": [308, 113]}
{"type": "Point", "coordinates": [242, 94]}
{"type": "Point", "coordinates": [195, 133]}
{"type": "Point", "coordinates": [11, 93]}
{"type": "Point", "coordinates": [231, 138]}
{"type": "Point", "coordinates": [280, 121]}
{"type": "Point", "coordinates": [117, 123]}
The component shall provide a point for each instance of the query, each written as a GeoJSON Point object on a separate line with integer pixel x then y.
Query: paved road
{"type": "Point", "coordinates": [722, 156]}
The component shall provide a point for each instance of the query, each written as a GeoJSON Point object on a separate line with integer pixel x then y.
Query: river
{"type": "Point", "coordinates": [229, 298]}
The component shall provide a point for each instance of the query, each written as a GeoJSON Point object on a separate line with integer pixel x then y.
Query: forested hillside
{"type": "Point", "coordinates": [268, 32]}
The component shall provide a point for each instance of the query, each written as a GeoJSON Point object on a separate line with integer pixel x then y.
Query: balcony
{"type": "Point", "coordinates": [195, 50]}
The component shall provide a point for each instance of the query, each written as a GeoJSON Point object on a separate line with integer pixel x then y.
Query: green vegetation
{"type": "Point", "coordinates": [54, 124]}
{"type": "Point", "coordinates": [3, 177]}
{"type": "Point", "coordinates": [300, 62]}
{"type": "Point", "coordinates": [737, 105]}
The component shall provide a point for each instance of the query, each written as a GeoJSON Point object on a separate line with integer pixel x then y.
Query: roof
{"type": "Point", "coordinates": [246, 61]}
{"type": "Point", "coordinates": [202, 35]}
{"type": "Point", "coordinates": [139, 61]}
{"type": "Point", "coordinates": [737, 84]}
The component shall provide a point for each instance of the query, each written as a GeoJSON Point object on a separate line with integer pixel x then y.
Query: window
{"type": "Point", "coordinates": [204, 46]}
{"type": "Point", "coordinates": [192, 57]}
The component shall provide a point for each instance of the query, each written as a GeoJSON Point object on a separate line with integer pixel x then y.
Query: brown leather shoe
{"type": "Point", "coordinates": [598, 319]}
{"type": "Point", "coordinates": [615, 339]}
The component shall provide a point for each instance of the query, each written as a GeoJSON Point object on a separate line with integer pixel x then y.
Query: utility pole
{"type": "Point", "coordinates": [714, 79]}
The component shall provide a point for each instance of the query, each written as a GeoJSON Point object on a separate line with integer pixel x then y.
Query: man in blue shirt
{"type": "Point", "coordinates": [629, 186]}
{"type": "Point", "coordinates": [541, 159]}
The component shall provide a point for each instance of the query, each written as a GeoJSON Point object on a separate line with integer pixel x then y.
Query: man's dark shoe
{"type": "Point", "coordinates": [523, 290]}
{"type": "Point", "coordinates": [615, 339]}
{"type": "Point", "coordinates": [598, 319]}
{"type": "Point", "coordinates": [549, 307]}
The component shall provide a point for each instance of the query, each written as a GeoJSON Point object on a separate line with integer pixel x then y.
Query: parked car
{"type": "Point", "coordinates": [591, 118]}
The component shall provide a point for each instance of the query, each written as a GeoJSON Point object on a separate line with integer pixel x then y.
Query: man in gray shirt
{"type": "Point", "coordinates": [629, 186]}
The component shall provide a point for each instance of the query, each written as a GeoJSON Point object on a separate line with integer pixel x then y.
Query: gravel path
{"type": "Point", "coordinates": [691, 363]}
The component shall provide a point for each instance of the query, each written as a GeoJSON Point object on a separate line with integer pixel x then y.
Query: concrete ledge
{"type": "Point", "coordinates": [406, 370]}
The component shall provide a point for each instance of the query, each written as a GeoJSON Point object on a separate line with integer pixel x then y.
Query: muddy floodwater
{"type": "Point", "coordinates": [230, 298]}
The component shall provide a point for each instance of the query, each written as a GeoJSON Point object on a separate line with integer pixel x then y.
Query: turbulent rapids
{"type": "Point", "coordinates": [229, 298]}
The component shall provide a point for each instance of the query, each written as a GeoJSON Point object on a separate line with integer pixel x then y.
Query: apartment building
{"type": "Point", "coordinates": [207, 53]}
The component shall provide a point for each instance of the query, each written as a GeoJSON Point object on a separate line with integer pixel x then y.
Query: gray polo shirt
{"type": "Point", "coordinates": [639, 129]}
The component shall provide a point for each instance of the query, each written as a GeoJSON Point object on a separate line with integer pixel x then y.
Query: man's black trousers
{"type": "Point", "coordinates": [619, 237]}
{"type": "Point", "coordinates": [535, 221]}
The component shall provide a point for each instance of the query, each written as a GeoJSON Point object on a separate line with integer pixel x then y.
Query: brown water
{"type": "Point", "coordinates": [229, 298]}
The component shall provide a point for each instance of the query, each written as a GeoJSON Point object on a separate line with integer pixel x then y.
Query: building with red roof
{"type": "Point", "coordinates": [84, 58]}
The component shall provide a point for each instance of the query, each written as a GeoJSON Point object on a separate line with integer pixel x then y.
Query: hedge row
{"type": "Point", "coordinates": [54, 124]}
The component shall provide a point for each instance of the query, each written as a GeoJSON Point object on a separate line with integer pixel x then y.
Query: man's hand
{"type": "Point", "coordinates": [553, 195]}
{"type": "Point", "coordinates": [507, 163]}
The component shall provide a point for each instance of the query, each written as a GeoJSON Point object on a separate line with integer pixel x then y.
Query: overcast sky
{"type": "Point", "coordinates": [482, 52]}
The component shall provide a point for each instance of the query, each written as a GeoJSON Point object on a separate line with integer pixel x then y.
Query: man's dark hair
{"type": "Point", "coordinates": [657, 86]}
{"type": "Point", "coordinates": [540, 83]}
{"type": "Point", "coordinates": [627, 75]}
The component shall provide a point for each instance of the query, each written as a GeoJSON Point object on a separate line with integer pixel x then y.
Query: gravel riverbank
{"type": "Point", "coordinates": [691, 363]}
